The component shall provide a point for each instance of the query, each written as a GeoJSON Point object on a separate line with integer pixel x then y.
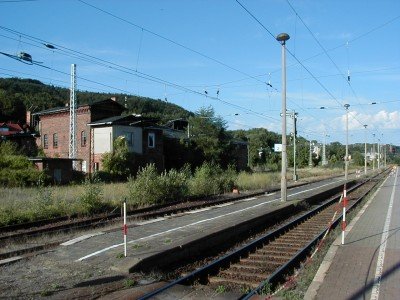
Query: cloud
{"type": "Point", "coordinates": [381, 120]}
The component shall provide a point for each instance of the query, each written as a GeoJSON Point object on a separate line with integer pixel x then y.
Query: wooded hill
{"type": "Point", "coordinates": [19, 95]}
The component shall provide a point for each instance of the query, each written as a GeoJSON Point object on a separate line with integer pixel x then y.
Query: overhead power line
{"type": "Point", "coordinates": [170, 40]}
{"type": "Point", "coordinates": [298, 61]}
{"type": "Point", "coordinates": [107, 64]}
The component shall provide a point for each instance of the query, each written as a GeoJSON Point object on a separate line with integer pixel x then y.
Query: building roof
{"type": "Point", "coordinates": [91, 105]}
{"type": "Point", "coordinates": [10, 128]}
{"type": "Point", "coordinates": [128, 120]}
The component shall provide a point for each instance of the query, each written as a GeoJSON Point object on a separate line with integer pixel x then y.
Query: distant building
{"type": "Point", "coordinates": [98, 125]}
{"type": "Point", "coordinates": [141, 135]}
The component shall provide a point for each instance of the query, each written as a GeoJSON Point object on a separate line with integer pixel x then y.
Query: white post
{"type": "Point", "coordinates": [365, 151]}
{"type": "Point", "coordinates": [344, 201]}
{"type": "Point", "coordinates": [282, 38]}
{"type": "Point", "coordinates": [125, 228]}
{"type": "Point", "coordinates": [346, 173]}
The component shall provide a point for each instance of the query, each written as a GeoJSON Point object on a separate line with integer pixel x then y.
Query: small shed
{"type": "Point", "coordinates": [59, 169]}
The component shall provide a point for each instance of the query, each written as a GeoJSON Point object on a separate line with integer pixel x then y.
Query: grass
{"type": "Point", "coordinates": [19, 205]}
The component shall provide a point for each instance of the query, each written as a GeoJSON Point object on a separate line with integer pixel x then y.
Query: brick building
{"type": "Point", "coordinates": [98, 124]}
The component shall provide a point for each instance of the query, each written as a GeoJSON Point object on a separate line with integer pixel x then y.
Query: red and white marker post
{"type": "Point", "coordinates": [344, 203]}
{"type": "Point", "coordinates": [125, 228]}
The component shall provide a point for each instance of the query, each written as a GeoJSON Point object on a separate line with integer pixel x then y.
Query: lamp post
{"type": "Point", "coordinates": [346, 171]}
{"type": "Point", "coordinates": [294, 145]}
{"type": "Point", "coordinates": [324, 162]}
{"type": "Point", "coordinates": [365, 151]}
{"type": "Point", "coordinates": [379, 154]}
{"type": "Point", "coordinates": [282, 38]}
{"type": "Point", "coordinates": [346, 166]}
{"type": "Point", "coordinates": [373, 151]}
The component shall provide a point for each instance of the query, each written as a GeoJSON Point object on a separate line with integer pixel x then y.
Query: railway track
{"type": "Point", "coordinates": [266, 260]}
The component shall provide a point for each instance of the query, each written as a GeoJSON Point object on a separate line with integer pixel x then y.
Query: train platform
{"type": "Point", "coordinates": [96, 257]}
{"type": "Point", "coordinates": [367, 266]}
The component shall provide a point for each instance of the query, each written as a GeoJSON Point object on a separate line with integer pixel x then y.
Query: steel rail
{"type": "Point", "coordinates": [278, 275]}
{"type": "Point", "coordinates": [202, 273]}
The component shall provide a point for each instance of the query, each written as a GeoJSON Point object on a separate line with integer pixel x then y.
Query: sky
{"type": "Point", "coordinates": [223, 54]}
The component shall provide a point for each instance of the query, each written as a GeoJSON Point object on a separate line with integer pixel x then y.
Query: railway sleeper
{"type": "Point", "coordinates": [265, 264]}
{"type": "Point", "coordinates": [277, 258]}
{"type": "Point", "coordinates": [250, 277]}
{"type": "Point", "coordinates": [251, 269]}
{"type": "Point", "coordinates": [286, 249]}
{"type": "Point", "coordinates": [302, 230]}
{"type": "Point", "coordinates": [306, 230]}
{"type": "Point", "coordinates": [286, 252]}
{"type": "Point", "coordinates": [320, 223]}
{"type": "Point", "coordinates": [231, 283]}
{"type": "Point", "coordinates": [300, 235]}
{"type": "Point", "coordinates": [287, 242]}
{"type": "Point", "coordinates": [284, 242]}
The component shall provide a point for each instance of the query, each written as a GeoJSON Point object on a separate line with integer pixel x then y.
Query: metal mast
{"type": "Point", "coordinates": [72, 114]}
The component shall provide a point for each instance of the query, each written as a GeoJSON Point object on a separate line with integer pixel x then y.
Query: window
{"type": "Point", "coordinates": [96, 166]}
{"type": "Point", "coordinates": [45, 141]}
{"type": "Point", "coordinates": [151, 140]}
{"type": "Point", "coordinates": [128, 138]}
{"type": "Point", "coordinates": [55, 140]}
{"type": "Point", "coordinates": [83, 138]}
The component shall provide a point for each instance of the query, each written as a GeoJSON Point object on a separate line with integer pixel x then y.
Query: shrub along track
{"type": "Point", "coordinates": [268, 259]}
{"type": "Point", "coordinates": [23, 233]}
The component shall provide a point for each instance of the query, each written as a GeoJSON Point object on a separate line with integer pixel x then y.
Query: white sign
{"type": "Point", "coordinates": [278, 147]}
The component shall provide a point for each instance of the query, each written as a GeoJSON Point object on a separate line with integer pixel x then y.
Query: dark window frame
{"type": "Point", "coordinates": [83, 138]}
{"type": "Point", "coordinates": [151, 140]}
{"type": "Point", "coordinates": [45, 141]}
{"type": "Point", "coordinates": [55, 140]}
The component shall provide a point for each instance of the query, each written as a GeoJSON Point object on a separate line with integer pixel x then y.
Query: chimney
{"type": "Point", "coordinates": [28, 118]}
{"type": "Point", "coordinates": [114, 98]}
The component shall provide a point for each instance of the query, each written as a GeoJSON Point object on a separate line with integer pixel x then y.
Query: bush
{"type": "Point", "coordinates": [91, 198]}
{"type": "Point", "coordinates": [150, 188]}
{"type": "Point", "coordinates": [210, 179]}
{"type": "Point", "coordinates": [16, 170]}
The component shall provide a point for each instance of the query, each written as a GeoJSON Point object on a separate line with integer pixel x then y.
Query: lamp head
{"type": "Point", "coordinates": [282, 38]}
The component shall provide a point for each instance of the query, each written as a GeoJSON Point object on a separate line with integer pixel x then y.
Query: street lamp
{"type": "Point", "coordinates": [373, 151]}
{"type": "Point", "coordinates": [310, 163]}
{"type": "Point", "coordinates": [324, 162]}
{"type": "Point", "coordinates": [346, 106]}
{"type": "Point", "coordinates": [379, 153]}
{"type": "Point", "coordinates": [282, 38]}
{"type": "Point", "coordinates": [365, 151]}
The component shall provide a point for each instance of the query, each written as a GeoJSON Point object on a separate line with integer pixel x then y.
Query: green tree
{"type": "Point", "coordinates": [119, 162]}
{"type": "Point", "coordinates": [357, 158]}
{"type": "Point", "coordinates": [15, 168]}
{"type": "Point", "coordinates": [208, 133]}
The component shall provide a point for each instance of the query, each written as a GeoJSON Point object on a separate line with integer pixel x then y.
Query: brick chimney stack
{"type": "Point", "coordinates": [28, 118]}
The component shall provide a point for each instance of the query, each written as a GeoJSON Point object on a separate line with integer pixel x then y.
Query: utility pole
{"type": "Point", "coordinates": [293, 115]}
{"type": "Point", "coordinates": [324, 162]}
{"type": "Point", "coordinates": [282, 38]}
{"type": "Point", "coordinates": [345, 174]}
{"type": "Point", "coordinates": [310, 164]}
{"type": "Point", "coordinates": [72, 116]}
{"type": "Point", "coordinates": [379, 153]}
{"type": "Point", "coordinates": [373, 151]}
{"type": "Point", "coordinates": [347, 144]}
{"type": "Point", "coordinates": [365, 151]}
